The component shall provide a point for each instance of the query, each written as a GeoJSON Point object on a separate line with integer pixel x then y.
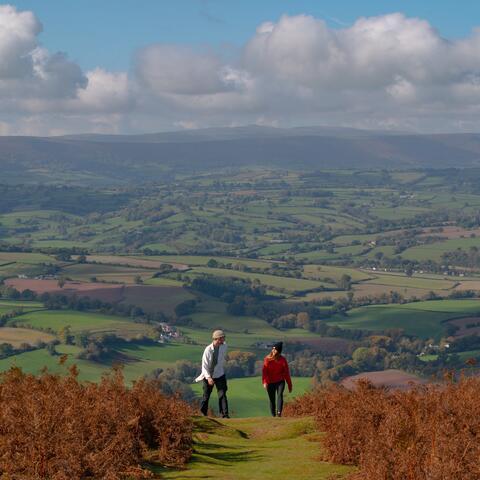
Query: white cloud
{"type": "Point", "coordinates": [389, 71]}
{"type": "Point", "coordinates": [106, 92]}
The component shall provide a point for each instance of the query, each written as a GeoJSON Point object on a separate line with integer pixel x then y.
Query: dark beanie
{"type": "Point", "coordinates": [278, 346]}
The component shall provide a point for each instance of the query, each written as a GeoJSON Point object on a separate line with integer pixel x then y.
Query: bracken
{"type": "Point", "coordinates": [58, 428]}
{"type": "Point", "coordinates": [428, 432]}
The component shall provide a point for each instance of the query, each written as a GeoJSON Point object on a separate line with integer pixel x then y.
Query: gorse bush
{"type": "Point", "coordinates": [59, 428]}
{"type": "Point", "coordinates": [429, 432]}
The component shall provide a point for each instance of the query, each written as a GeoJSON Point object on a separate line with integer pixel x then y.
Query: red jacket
{"type": "Point", "coordinates": [276, 371]}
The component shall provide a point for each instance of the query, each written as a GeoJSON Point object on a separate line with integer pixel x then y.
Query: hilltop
{"type": "Point", "coordinates": [120, 159]}
{"type": "Point", "coordinates": [261, 448]}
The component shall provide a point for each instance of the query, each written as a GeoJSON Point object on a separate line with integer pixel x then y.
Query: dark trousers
{"type": "Point", "coordinates": [275, 392]}
{"type": "Point", "coordinates": [221, 384]}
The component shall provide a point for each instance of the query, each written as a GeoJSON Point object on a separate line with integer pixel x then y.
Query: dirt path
{"type": "Point", "coordinates": [256, 448]}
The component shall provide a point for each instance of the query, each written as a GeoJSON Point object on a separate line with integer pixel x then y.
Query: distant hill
{"type": "Point", "coordinates": [112, 159]}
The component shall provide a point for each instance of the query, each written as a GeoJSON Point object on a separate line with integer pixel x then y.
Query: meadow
{"type": "Point", "coordinates": [422, 319]}
{"type": "Point", "coordinates": [322, 242]}
{"type": "Point", "coordinates": [248, 398]}
{"type": "Point", "coordinates": [56, 320]}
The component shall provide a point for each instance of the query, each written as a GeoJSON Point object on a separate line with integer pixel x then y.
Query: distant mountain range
{"type": "Point", "coordinates": [110, 159]}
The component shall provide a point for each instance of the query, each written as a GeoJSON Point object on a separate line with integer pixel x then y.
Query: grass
{"type": "Point", "coordinates": [411, 282]}
{"type": "Point", "coordinates": [242, 332]}
{"type": "Point", "coordinates": [259, 448]}
{"type": "Point", "coordinates": [423, 319]}
{"type": "Point", "coordinates": [287, 283]}
{"type": "Point", "coordinates": [36, 360]}
{"type": "Point", "coordinates": [434, 251]}
{"type": "Point", "coordinates": [105, 273]}
{"type": "Point", "coordinates": [202, 260]}
{"type": "Point", "coordinates": [81, 322]}
{"type": "Point", "coordinates": [17, 336]}
{"type": "Point", "coordinates": [248, 398]}
{"type": "Point", "coordinates": [27, 258]}
{"type": "Point", "coordinates": [322, 271]}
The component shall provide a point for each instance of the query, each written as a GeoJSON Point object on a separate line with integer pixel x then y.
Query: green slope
{"type": "Point", "coordinates": [259, 448]}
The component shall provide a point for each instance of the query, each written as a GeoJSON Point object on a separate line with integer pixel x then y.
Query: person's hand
{"type": "Point", "coordinates": [264, 385]}
{"type": "Point", "coordinates": [290, 390]}
{"type": "Point", "coordinates": [210, 381]}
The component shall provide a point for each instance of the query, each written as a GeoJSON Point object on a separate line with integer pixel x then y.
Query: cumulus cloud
{"type": "Point", "coordinates": [396, 70]}
{"type": "Point", "coordinates": [388, 71]}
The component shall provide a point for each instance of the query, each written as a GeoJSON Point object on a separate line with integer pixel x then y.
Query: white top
{"type": "Point", "coordinates": [207, 359]}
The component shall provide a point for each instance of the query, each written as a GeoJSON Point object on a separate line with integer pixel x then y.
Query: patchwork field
{"type": "Point", "coordinates": [423, 319]}
{"type": "Point", "coordinates": [150, 298]}
{"type": "Point", "coordinates": [19, 336]}
{"type": "Point", "coordinates": [56, 320]}
{"type": "Point", "coordinates": [146, 262]}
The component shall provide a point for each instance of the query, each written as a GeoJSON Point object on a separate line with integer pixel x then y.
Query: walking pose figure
{"type": "Point", "coordinates": [213, 373]}
{"type": "Point", "coordinates": [275, 374]}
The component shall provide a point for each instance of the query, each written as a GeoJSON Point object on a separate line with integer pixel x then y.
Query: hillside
{"type": "Point", "coordinates": [110, 159]}
{"type": "Point", "coordinates": [260, 448]}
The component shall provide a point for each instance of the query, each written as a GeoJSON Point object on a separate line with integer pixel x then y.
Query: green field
{"type": "Point", "coordinates": [95, 323]}
{"type": "Point", "coordinates": [435, 251]}
{"type": "Point", "coordinates": [256, 448]}
{"type": "Point", "coordinates": [248, 398]}
{"type": "Point", "coordinates": [289, 284]}
{"type": "Point", "coordinates": [411, 282]}
{"type": "Point", "coordinates": [26, 258]}
{"type": "Point", "coordinates": [423, 319]}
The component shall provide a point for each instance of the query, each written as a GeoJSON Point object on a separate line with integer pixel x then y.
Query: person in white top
{"type": "Point", "coordinates": [213, 373]}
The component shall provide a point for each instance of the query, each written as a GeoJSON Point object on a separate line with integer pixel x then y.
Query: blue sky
{"type": "Point", "coordinates": [124, 66]}
{"type": "Point", "coordinates": [107, 32]}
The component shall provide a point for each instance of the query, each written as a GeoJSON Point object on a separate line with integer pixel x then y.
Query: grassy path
{"type": "Point", "coordinates": [259, 448]}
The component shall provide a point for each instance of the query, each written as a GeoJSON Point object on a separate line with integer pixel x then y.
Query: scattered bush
{"type": "Point", "coordinates": [58, 428]}
{"type": "Point", "coordinates": [429, 432]}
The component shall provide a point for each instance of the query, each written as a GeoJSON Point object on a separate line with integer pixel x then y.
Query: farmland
{"type": "Point", "coordinates": [422, 319]}
{"type": "Point", "coordinates": [327, 262]}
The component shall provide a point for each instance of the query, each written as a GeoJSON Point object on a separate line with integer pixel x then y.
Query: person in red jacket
{"type": "Point", "coordinates": [275, 374]}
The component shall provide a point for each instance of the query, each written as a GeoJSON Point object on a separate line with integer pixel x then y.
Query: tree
{"type": "Point", "coordinates": [303, 319]}
{"type": "Point", "coordinates": [345, 282]}
{"type": "Point", "coordinates": [185, 308]}
{"type": "Point", "coordinates": [65, 335]}
{"type": "Point", "coordinates": [212, 263]}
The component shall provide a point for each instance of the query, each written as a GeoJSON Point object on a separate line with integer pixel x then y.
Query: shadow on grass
{"type": "Point", "coordinates": [225, 458]}
{"type": "Point", "coordinates": [211, 426]}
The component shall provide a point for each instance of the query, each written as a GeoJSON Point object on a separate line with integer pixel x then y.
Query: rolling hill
{"type": "Point", "coordinates": [111, 159]}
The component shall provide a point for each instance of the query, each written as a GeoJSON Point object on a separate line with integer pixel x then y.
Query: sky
{"type": "Point", "coordinates": [153, 65]}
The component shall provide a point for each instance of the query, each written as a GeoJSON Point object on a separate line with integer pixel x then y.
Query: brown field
{"type": "Point", "coordinates": [462, 324]}
{"type": "Point", "coordinates": [469, 285]}
{"type": "Point", "coordinates": [17, 336]}
{"type": "Point", "coordinates": [329, 345]}
{"type": "Point", "coordinates": [389, 378]}
{"type": "Point", "coordinates": [366, 289]}
{"type": "Point", "coordinates": [451, 232]}
{"type": "Point", "coordinates": [149, 298]}
{"type": "Point", "coordinates": [51, 286]}
{"type": "Point", "coordinates": [133, 262]}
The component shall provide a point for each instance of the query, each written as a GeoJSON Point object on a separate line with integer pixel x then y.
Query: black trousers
{"type": "Point", "coordinates": [221, 384]}
{"type": "Point", "coordinates": [275, 394]}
